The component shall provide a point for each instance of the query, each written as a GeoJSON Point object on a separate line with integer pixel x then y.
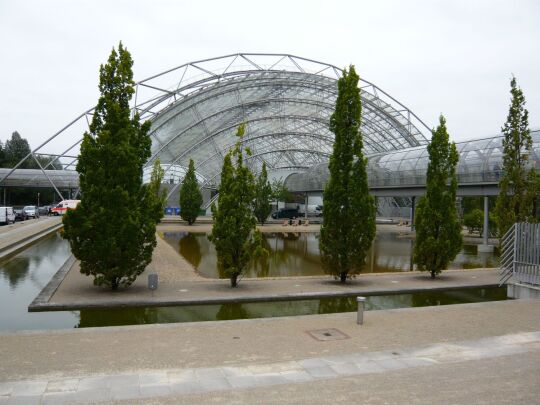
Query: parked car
{"type": "Point", "coordinates": [286, 213]}
{"type": "Point", "coordinates": [44, 210]}
{"type": "Point", "coordinates": [31, 211]}
{"type": "Point", "coordinates": [7, 215]}
{"type": "Point", "coordinates": [20, 214]}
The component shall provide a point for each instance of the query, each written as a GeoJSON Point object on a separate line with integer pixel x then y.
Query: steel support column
{"type": "Point", "coordinates": [486, 219]}
{"type": "Point", "coordinates": [484, 247]}
{"type": "Point", "coordinates": [413, 202]}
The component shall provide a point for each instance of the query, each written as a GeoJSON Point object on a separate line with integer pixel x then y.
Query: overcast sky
{"type": "Point", "coordinates": [450, 57]}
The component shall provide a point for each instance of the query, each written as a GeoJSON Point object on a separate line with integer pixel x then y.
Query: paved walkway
{"type": "Point", "coordinates": [16, 236]}
{"type": "Point", "coordinates": [77, 291]}
{"type": "Point", "coordinates": [471, 353]}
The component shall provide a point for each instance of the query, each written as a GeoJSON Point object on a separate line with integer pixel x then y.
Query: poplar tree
{"type": "Point", "coordinates": [190, 196]}
{"type": "Point", "coordinates": [348, 225]}
{"type": "Point", "coordinates": [438, 229]}
{"type": "Point", "coordinates": [280, 192]}
{"type": "Point", "coordinates": [516, 187]}
{"type": "Point", "coordinates": [112, 231]}
{"type": "Point", "coordinates": [263, 193]}
{"type": "Point", "coordinates": [234, 234]}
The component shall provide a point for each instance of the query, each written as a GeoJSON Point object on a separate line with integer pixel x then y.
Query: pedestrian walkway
{"type": "Point", "coordinates": [431, 353]}
{"type": "Point", "coordinates": [17, 236]}
{"type": "Point", "coordinates": [177, 382]}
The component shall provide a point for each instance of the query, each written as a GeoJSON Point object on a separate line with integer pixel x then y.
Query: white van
{"type": "Point", "coordinates": [7, 215]}
{"type": "Point", "coordinates": [63, 206]}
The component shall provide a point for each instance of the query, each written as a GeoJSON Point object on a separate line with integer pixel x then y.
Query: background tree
{"type": "Point", "coordinates": [263, 193]}
{"type": "Point", "coordinates": [534, 195]}
{"type": "Point", "coordinates": [234, 233]}
{"type": "Point", "coordinates": [112, 232]}
{"type": "Point", "coordinates": [11, 153]}
{"type": "Point", "coordinates": [2, 155]}
{"type": "Point", "coordinates": [48, 162]}
{"type": "Point", "coordinates": [348, 225]}
{"type": "Point", "coordinates": [154, 187]}
{"type": "Point", "coordinates": [516, 187]}
{"type": "Point", "coordinates": [16, 149]}
{"type": "Point", "coordinates": [438, 230]}
{"type": "Point", "coordinates": [474, 220]}
{"type": "Point", "coordinates": [190, 196]}
{"type": "Point", "coordinates": [280, 192]}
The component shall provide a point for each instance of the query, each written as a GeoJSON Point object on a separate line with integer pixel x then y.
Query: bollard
{"type": "Point", "coordinates": [360, 317]}
{"type": "Point", "coordinates": [152, 281]}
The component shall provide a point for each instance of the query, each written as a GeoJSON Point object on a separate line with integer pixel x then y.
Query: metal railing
{"type": "Point", "coordinates": [520, 254]}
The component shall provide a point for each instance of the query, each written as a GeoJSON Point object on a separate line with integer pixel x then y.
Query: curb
{"type": "Point", "coordinates": [41, 304]}
{"type": "Point", "coordinates": [45, 295]}
{"type": "Point", "coordinates": [22, 243]}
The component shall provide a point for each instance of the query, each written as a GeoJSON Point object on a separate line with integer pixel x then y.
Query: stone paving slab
{"type": "Point", "coordinates": [152, 384]}
{"type": "Point", "coordinates": [275, 360]}
{"type": "Point", "coordinates": [77, 353]}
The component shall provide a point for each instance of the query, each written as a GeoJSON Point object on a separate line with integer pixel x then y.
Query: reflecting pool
{"type": "Point", "coordinates": [23, 276]}
{"type": "Point", "coordinates": [197, 313]}
{"type": "Point", "coordinates": [297, 254]}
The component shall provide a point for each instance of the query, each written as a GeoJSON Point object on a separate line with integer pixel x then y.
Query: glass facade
{"type": "Point", "coordinates": [286, 103]}
{"type": "Point", "coordinates": [480, 162]}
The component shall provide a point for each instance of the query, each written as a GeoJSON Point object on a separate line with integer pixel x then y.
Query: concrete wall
{"type": "Point", "coordinates": [523, 291]}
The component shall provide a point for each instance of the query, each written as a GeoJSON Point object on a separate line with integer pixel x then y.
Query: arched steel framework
{"type": "Point", "coordinates": [285, 101]}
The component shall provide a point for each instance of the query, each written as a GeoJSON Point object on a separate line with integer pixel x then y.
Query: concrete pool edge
{"type": "Point", "coordinates": [209, 292]}
{"type": "Point", "coordinates": [50, 288]}
{"type": "Point", "coordinates": [19, 243]}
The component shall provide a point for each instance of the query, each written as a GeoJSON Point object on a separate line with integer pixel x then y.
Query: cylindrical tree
{"type": "Point", "coordinates": [263, 193]}
{"type": "Point", "coordinates": [190, 196]}
{"type": "Point", "coordinates": [517, 191]}
{"type": "Point", "coordinates": [438, 229]}
{"type": "Point", "coordinates": [234, 233]}
{"type": "Point", "coordinates": [112, 231]}
{"type": "Point", "coordinates": [348, 225]}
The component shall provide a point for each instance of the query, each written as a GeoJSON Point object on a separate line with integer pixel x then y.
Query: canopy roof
{"type": "Point", "coordinates": [286, 103]}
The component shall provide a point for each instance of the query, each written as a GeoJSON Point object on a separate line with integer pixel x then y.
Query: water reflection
{"type": "Point", "coordinates": [297, 254]}
{"type": "Point", "coordinates": [22, 278]}
{"type": "Point", "coordinates": [15, 271]}
{"type": "Point", "coordinates": [335, 305]}
{"type": "Point", "coordinates": [197, 313]}
{"type": "Point", "coordinates": [189, 246]}
{"type": "Point", "coordinates": [231, 311]}
{"type": "Point", "coordinates": [118, 317]}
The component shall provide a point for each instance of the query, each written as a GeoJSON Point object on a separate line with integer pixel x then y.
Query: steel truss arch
{"type": "Point", "coordinates": [195, 109]}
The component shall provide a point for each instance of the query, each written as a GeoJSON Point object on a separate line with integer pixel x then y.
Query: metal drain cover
{"type": "Point", "coordinates": [327, 334]}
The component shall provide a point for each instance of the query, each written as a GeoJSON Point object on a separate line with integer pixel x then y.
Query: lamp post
{"type": "Point", "coordinates": [37, 208]}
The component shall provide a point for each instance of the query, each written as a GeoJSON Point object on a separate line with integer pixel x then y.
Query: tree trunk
{"type": "Point", "coordinates": [432, 274]}
{"type": "Point", "coordinates": [234, 280]}
{"type": "Point", "coordinates": [115, 283]}
{"type": "Point", "coordinates": [343, 277]}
